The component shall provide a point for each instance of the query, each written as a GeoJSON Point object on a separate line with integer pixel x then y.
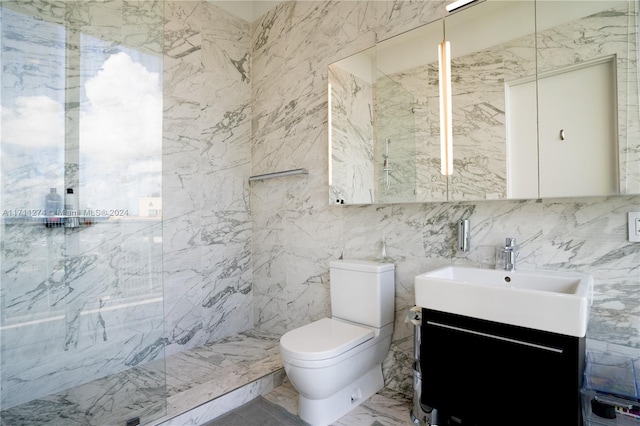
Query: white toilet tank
{"type": "Point", "coordinates": [362, 291]}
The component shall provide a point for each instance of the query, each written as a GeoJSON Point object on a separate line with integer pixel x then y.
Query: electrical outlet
{"type": "Point", "coordinates": [634, 227]}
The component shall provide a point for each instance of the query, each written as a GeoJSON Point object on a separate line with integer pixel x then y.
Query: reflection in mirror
{"type": "Point", "coordinates": [351, 130]}
{"type": "Point", "coordinates": [410, 61]}
{"type": "Point", "coordinates": [588, 98]}
{"type": "Point", "coordinates": [483, 59]}
{"type": "Point", "coordinates": [581, 69]}
{"type": "Point", "coordinates": [395, 147]}
{"type": "Point", "coordinates": [380, 122]}
{"type": "Point", "coordinates": [492, 44]}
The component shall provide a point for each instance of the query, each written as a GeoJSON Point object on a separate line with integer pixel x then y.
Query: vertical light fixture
{"type": "Point", "coordinates": [329, 127]}
{"type": "Point", "coordinates": [446, 114]}
{"type": "Point", "coordinates": [446, 126]}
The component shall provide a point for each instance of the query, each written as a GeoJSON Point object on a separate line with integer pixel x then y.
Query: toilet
{"type": "Point", "coordinates": [336, 363]}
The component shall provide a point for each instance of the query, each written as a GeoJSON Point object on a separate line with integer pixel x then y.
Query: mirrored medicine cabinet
{"type": "Point", "coordinates": [543, 104]}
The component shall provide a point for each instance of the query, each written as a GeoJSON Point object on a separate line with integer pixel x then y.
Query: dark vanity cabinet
{"type": "Point", "coordinates": [477, 372]}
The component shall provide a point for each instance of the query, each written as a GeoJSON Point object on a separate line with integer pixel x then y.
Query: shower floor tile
{"type": "Point", "coordinates": [192, 378]}
{"type": "Point", "coordinates": [200, 375]}
{"type": "Point", "coordinates": [224, 365]}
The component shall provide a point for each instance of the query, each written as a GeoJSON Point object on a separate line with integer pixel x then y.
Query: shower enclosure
{"type": "Point", "coordinates": [81, 296]}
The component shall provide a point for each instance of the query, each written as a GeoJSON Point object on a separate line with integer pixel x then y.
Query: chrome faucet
{"type": "Point", "coordinates": [509, 254]}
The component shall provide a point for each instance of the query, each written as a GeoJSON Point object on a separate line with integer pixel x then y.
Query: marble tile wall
{"type": "Point", "coordinates": [206, 163]}
{"type": "Point", "coordinates": [296, 233]}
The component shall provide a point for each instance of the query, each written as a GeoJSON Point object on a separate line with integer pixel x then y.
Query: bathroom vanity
{"type": "Point", "coordinates": [503, 348]}
{"type": "Point", "coordinates": [487, 373]}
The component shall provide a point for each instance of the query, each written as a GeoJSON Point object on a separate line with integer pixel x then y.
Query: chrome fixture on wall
{"type": "Point", "coordinates": [386, 165]}
{"type": "Point", "coordinates": [464, 230]}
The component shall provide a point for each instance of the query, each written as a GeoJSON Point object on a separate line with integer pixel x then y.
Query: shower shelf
{"type": "Point", "coordinates": [279, 174]}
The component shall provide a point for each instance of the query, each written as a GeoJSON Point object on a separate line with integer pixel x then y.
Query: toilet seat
{"type": "Point", "coordinates": [323, 339]}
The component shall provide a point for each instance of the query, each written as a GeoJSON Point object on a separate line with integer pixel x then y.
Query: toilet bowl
{"type": "Point", "coordinates": [336, 363]}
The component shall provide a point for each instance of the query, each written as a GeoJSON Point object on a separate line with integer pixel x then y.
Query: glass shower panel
{"type": "Point", "coordinates": [395, 149]}
{"type": "Point", "coordinates": [81, 331]}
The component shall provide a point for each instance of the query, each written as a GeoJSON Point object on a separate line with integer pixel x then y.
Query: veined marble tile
{"type": "Point", "coordinates": [225, 403]}
{"type": "Point", "coordinates": [82, 310]}
{"type": "Point", "coordinates": [599, 246]}
{"type": "Point", "coordinates": [110, 400]}
{"type": "Point", "coordinates": [210, 380]}
{"type": "Point", "coordinates": [207, 269]}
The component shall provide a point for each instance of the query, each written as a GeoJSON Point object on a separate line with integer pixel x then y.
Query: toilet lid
{"type": "Point", "coordinates": [323, 339]}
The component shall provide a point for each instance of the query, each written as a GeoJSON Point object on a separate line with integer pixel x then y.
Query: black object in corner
{"type": "Point", "coordinates": [133, 422]}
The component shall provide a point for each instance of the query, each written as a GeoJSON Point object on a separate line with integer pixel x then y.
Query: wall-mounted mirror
{"type": "Point", "coordinates": [588, 98]}
{"type": "Point", "coordinates": [380, 122]}
{"type": "Point", "coordinates": [351, 129]}
{"type": "Point", "coordinates": [385, 120]}
{"type": "Point", "coordinates": [492, 45]}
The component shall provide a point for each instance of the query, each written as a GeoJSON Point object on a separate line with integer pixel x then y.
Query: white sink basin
{"type": "Point", "coordinates": [558, 302]}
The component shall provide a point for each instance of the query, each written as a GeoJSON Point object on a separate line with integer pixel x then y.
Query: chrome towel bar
{"type": "Point", "coordinates": [279, 174]}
